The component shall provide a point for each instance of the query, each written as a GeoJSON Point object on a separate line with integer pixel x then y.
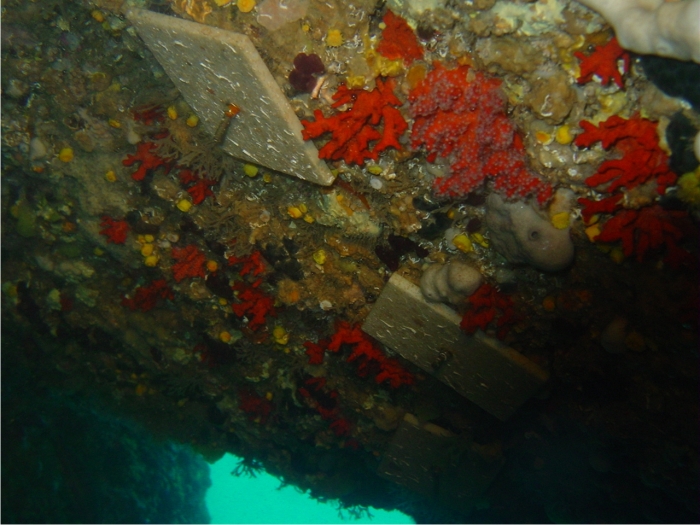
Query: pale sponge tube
{"type": "Point", "coordinates": [654, 27]}
{"type": "Point", "coordinates": [450, 282]}
{"type": "Point", "coordinates": [524, 235]}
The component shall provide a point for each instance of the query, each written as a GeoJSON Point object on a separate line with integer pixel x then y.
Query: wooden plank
{"type": "Point", "coordinates": [213, 67]}
{"type": "Point", "coordinates": [432, 461]}
{"type": "Point", "coordinates": [482, 369]}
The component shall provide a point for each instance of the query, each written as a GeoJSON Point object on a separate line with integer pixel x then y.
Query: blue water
{"type": "Point", "coordinates": [244, 499]}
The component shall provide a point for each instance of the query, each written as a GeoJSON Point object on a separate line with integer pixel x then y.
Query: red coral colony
{"type": "Point", "coordinates": [253, 303]}
{"type": "Point", "coordinates": [487, 304]}
{"type": "Point", "coordinates": [256, 407]}
{"type": "Point", "coordinates": [115, 231]}
{"type": "Point", "coordinates": [648, 228]}
{"type": "Point", "coordinates": [147, 159]}
{"type": "Point", "coordinates": [608, 62]}
{"type": "Point", "coordinates": [197, 187]}
{"type": "Point", "coordinates": [354, 129]}
{"type": "Point", "coordinates": [367, 355]}
{"type": "Point", "coordinates": [460, 114]}
{"type": "Point", "coordinates": [189, 262]}
{"type": "Point", "coordinates": [398, 40]}
{"type": "Point", "coordinates": [146, 298]}
{"type": "Point", "coordinates": [641, 164]}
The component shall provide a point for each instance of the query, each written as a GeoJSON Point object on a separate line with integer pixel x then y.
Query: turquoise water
{"type": "Point", "coordinates": [244, 499]}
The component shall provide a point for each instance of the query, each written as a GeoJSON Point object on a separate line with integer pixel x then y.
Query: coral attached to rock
{"type": "Point", "coordinates": [603, 63]}
{"type": "Point", "coordinates": [642, 160]}
{"type": "Point", "coordinates": [115, 231]}
{"type": "Point", "coordinates": [147, 159]}
{"type": "Point", "coordinates": [399, 42]}
{"type": "Point", "coordinates": [649, 228]}
{"type": "Point", "coordinates": [353, 129]}
{"type": "Point", "coordinates": [189, 262]}
{"type": "Point", "coordinates": [146, 298]}
{"type": "Point", "coordinates": [460, 114]}
{"type": "Point", "coordinates": [487, 304]}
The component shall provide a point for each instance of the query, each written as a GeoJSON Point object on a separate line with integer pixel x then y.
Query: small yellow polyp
{"type": "Point", "coordinates": [148, 238]}
{"type": "Point", "coordinates": [592, 232]}
{"type": "Point", "coordinates": [146, 250]}
{"type": "Point", "coordinates": [563, 135]}
{"type": "Point", "coordinates": [463, 243]}
{"type": "Point", "coordinates": [110, 176]}
{"type": "Point", "coordinates": [543, 137]}
{"type": "Point", "coordinates": [334, 38]}
{"type": "Point", "coordinates": [65, 155]}
{"type": "Point", "coordinates": [294, 212]}
{"type": "Point", "coordinates": [251, 170]}
{"type": "Point", "coordinates": [225, 337]}
{"type": "Point", "coordinates": [212, 266]}
{"type": "Point", "coordinates": [151, 261]}
{"type": "Point", "coordinates": [184, 205]}
{"type": "Point", "coordinates": [319, 256]}
{"type": "Point", "coordinates": [560, 220]}
{"type": "Point", "coordinates": [192, 121]}
{"type": "Point", "coordinates": [280, 335]}
{"type": "Point", "coordinates": [172, 112]}
{"type": "Point", "coordinates": [480, 240]}
{"type": "Point", "coordinates": [245, 6]}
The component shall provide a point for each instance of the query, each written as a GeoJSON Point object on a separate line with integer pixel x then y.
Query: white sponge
{"type": "Point", "coordinates": [654, 27]}
{"type": "Point", "coordinates": [450, 283]}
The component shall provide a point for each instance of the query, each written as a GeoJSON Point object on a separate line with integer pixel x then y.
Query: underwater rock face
{"type": "Point", "coordinates": [523, 236]}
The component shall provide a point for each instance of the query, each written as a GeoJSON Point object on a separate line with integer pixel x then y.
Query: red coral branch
{"type": "Point", "coordinates": [341, 427]}
{"type": "Point", "coordinates": [369, 358]}
{"type": "Point", "coordinates": [115, 231]}
{"type": "Point", "coordinates": [256, 407]}
{"type": "Point", "coordinates": [196, 186]}
{"type": "Point", "coordinates": [146, 298]}
{"type": "Point", "coordinates": [606, 205]}
{"type": "Point", "coordinates": [643, 159]}
{"type": "Point", "coordinates": [149, 114]}
{"type": "Point", "coordinates": [147, 158]}
{"type": "Point", "coordinates": [355, 128]}
{"type": "Point", "coordinates": [253, 303]}
{"type": "Point", "coordinates": [465, 120]}
{"type": "Point", "coordinates": [315, 352]}
{"type": "Point", "coordinates": [252, 264]}
{"type": "Point", "coordinates": [398, 40]}
{"type": "Point", "coordinates": [326, 404]}
{"type": "Point", "coordinates": [604, 63]}
{"type": "Point", "coordinates": [487, 304]}
{"type": "Point", "coordinates": [647, 229]}
{"type": "Point", "coordinates": [189, 262]}
{"type": "Point", "coordinates": [200, 190]}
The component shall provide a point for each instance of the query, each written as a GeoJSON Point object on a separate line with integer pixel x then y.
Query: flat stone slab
{"type": "Point", "coordinates": [212, 68]}
{"type": "Point", "coordinates": [440, 465]}
{"type": "Point", "coordinates": [482, 369]}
